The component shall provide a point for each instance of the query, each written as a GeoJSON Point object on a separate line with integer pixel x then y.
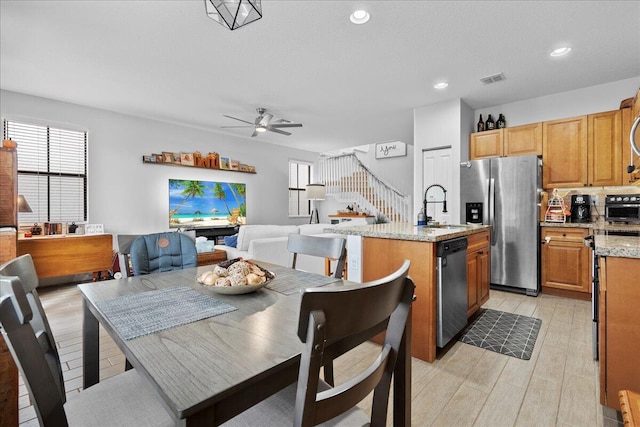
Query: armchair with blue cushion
{"type": "Point", "coordinates": [154, 253]}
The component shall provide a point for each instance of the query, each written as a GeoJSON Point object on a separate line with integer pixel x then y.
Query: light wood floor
{"type": "Point", "coordinates": [466, 386]}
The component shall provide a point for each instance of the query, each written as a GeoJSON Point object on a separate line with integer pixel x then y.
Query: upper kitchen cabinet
{"type": "Point", "coordinates": [523, 140]}
{"type": "Point", "coordinates": [604, 145]}
{"type": "Point", "coordinates": [564, 152]}
{"type": "Point", "coordinates": [486, 144]}
{"type": "Point", "coordinates": [512, 141]}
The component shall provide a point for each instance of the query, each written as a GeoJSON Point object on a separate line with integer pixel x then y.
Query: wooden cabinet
{"type": "Point", "coordinates": [512, 141]}
{"type": "Point", "coordinates": [604, 143]}
{"type": "Point", "coordinates": [8, 186]}
{"type": "Point", "coordinates": [619, 326]}
{"type": "Point", "coordinates": [478, 271]}
{"type": "Point", "coordinates": [564, 152]}
{"type": "Point", "coordinates": [566, 263]}
{"type": "Point", "coordinates": [523, 140]}
{"type": "Point", "coordinates": [582, 151]}
{"type": "Point", "coordinates": [64, 255]}
{"type": "Point", "coordinates": [486, 144]}
{"type": "Point", "coordinates": [209, 258]}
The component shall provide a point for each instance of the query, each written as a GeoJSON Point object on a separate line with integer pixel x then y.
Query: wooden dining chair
{"type": "Point", "coordinates": [158, 252]}
{"type": "Point", "coordinates": [124, 400]}
{"type": "Point", "coordinates": [334, 320]}
{"type": "Point", "coordinates": [334, 248]}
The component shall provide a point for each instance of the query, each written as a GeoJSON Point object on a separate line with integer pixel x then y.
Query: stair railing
{"type": "Point", "coordinates": [347, 178]}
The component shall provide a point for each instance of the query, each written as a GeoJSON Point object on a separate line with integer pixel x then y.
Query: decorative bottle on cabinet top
{"type": "Point", "coordinates": [501, 123]}
{"type": "Point", "coordinates": [480, 124]}
{"type": "Point", "coordinates": [489, 124]}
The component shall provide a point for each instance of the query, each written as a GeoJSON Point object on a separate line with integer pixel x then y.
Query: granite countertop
{"type": "Point", "coordinates": [617, 246]}
{"type": "Point", "coordinates": [407, 231]}
{"type": "Point", "coordinates": [599, 226]}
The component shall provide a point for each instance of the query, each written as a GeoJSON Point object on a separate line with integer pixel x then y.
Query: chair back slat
{"type": "Point", "coordinates": [124, 242]}
{"type": "Point", "coordinates": [37, 361]}
{"type": "Point", "coordinates": [323, 247]}
{"type": "Point", "coordinates": [337, 318]}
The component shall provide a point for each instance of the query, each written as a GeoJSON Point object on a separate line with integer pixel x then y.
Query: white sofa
{"type": "Point", "coordinates": [269, 243]}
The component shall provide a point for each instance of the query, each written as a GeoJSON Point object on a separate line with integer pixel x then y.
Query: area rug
{"type": "Point", "coordinates": [505, 333]}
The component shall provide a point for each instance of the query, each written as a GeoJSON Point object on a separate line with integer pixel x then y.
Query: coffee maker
{"type": "Point", "coordinates": [580, 208]}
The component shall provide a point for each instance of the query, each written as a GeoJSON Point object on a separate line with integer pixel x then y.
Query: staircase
{"type": "Point", "coordinates": [346, 178]}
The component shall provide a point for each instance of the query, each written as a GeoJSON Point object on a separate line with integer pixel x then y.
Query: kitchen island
{"type": "Point", "coordinates": [619, 317]}
{"type": "Point", "coordinates": [377, 250]}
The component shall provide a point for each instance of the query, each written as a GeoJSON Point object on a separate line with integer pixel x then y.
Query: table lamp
{"type": "Point", "coordinates": [23, 205]}
{"type": "Point", "coordinates": [315, 192]}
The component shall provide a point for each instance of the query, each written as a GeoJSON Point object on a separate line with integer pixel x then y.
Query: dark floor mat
{"type": "Point", "coordinates": [506, 333]}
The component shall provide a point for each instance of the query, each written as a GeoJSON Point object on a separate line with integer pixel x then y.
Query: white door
{"type": "Point", "coordinates": [437, 167]}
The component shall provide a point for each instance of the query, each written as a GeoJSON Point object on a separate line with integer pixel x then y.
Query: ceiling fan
{"type": "Point", "coordinates": [264, 123]}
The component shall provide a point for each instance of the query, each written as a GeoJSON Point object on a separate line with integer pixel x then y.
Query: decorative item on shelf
{"type": "Point", "coordinates": [167, 157]}
{"type": "Point", "coordinates": [159, 158]}
{"type": "Point", "coordinates": [235, 165]}
{"type": "Point", "coordinates": [243, 168]}
{"type": "Point", "coordinates": [177, 158]}
{"type": "Point", "coordinates": [212, 160]}
{"type": "Point", "coordinates": [197, 159]}
{"type": "Point", "coordinates": [225, 163]}
{"type": "Point", "coordinates": [72, 228]}
{"type": "Point", "coordinates": [315, 192]}
{"type": "Point", "coordinates": [94, 229]}
{"type": "Point", "coordinates": [186, 159]}
{"type": "Point", "coordinates": [556, 209]}
{"type": "Point", "coordinates": [234, 14]}
{"type": "Point", "coordinates": [36, 229]}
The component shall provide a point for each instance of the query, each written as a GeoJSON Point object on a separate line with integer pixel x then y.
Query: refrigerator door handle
{"type": "Point", "coordinates": [492, 207]}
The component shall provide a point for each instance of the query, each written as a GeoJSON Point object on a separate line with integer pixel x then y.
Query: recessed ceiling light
{"type": "Point", "coordinates": [360, 17]}
{"type": "Point", "coordinates": [441, 85]}
{"type": "Point", "coordinates": [561, 51]}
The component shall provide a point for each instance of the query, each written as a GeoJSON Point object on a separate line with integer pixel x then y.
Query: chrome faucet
{"type": "Point", "coordinates": [444, 202]}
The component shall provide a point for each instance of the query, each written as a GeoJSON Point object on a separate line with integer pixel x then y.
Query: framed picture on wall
{"type": "Point", "coordinates": [225, 162]}
{"type": "Point", "coordinates": [186, 159]}
{"type": "Point", "coordinates": [235, 165]}
{"type": "Point", "coordinates": [385, 150]}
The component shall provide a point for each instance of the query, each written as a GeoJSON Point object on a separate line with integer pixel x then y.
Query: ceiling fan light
{"type": "Point", "coordinates": [233, 13]}
{"type": "Point", "coordinates": [561, 51]}
{"type": "Point", "coordinates": [360, 17]}
{"type": "Point", "coordinates": [261, 128]}
{"type": "Point", "coordinates": [441, 85]}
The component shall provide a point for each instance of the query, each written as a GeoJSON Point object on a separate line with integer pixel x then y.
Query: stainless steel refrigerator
{"type": "Point", "coordinates": [504, 192]}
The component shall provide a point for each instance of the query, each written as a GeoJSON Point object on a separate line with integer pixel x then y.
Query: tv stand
{"type": "Point", "coordinates": [215, 233]}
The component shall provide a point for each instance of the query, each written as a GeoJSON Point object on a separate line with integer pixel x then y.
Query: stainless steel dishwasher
{"type": "Point", "coordinates": [451, 277]}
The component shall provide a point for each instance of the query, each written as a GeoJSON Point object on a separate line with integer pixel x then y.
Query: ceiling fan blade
{"type": "Point", "coordinates": [255, 133]}
{"type": "Point", "coordinates": [285, 125]}
{"type": "Point", "coordinates": [240, 120]}
{"type": "Point", "coordinates": [270, 129]}
{"type": "Point", "coordinates": [229, 127]}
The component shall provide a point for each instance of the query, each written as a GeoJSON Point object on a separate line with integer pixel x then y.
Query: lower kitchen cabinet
{"type": "Point", "coordinates": [566, 268]}
{"type": "Point", "coordinates": [619, 325]}
{"type": "Point", "coordinates": [478, 271]}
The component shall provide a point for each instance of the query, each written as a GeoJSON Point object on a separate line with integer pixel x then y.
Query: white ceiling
{"type": "Point", "coordinates": [304, 61]}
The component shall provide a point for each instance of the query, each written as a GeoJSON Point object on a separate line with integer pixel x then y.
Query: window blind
{"type": "Point", "coordinates": [299, 176]}
{"type": "Point", "coordinates": [52, 171]}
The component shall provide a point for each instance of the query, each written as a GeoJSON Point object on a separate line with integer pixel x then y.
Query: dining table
{"type": "Point", "coordinates": [208, 355]}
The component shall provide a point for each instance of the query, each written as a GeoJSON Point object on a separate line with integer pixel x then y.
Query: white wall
{"type": "Point", "coordinates": [128, 196]}
{"type": "Point", "coordinates": [593, 99]}
{"type": "Point", "coordinates": [441, 125]}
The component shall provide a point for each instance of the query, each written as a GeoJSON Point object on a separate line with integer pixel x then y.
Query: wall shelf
{"type": "Point", "coordinates": [195, 167]}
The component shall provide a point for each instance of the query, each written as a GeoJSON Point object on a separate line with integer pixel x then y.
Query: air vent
{"type": "Point", "coordinates": [493, 79]}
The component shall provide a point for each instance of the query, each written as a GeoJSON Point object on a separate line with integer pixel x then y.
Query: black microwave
{"type": "Point", "coordinates": [622, 208]}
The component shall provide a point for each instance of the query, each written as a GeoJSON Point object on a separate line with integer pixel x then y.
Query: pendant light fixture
{"type": "Point", "coordinates": [233, 13]}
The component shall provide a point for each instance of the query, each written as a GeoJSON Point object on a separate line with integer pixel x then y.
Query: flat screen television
{"type": "Point", "coordinates": [206, 204]}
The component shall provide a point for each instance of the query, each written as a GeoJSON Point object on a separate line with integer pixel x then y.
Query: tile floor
{"type": "Point", "coordinates": [466, 386]}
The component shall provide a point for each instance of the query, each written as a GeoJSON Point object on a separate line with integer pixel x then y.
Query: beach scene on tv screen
{"type": "Point", "coordinates": [196, 204]}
